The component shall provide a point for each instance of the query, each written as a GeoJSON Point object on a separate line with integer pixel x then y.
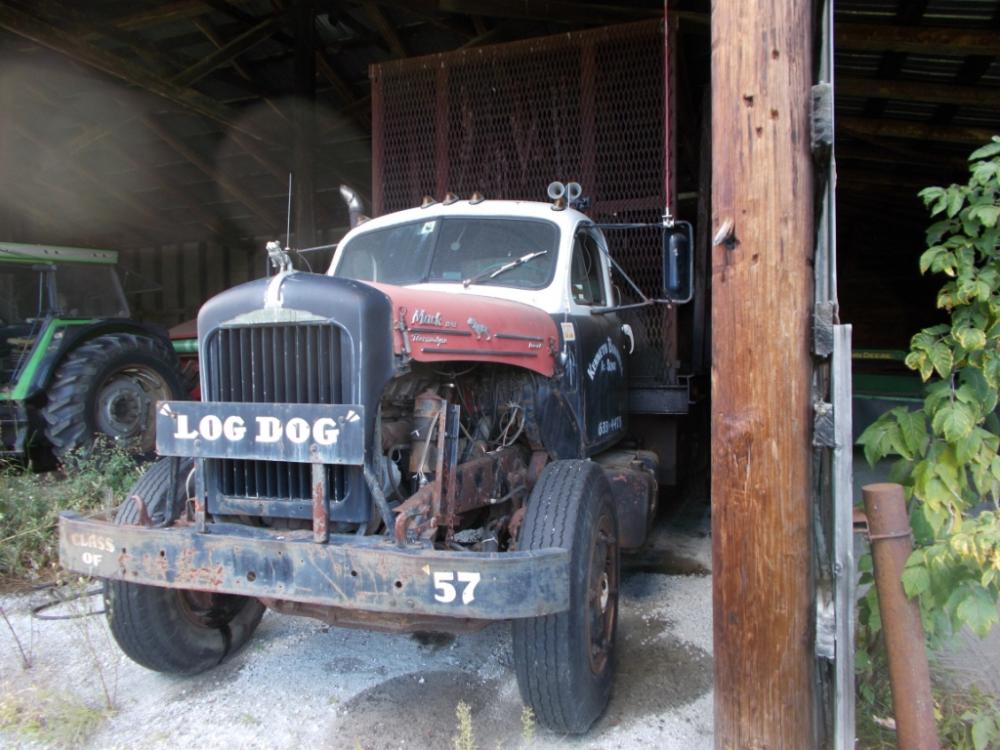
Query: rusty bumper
{"type": "Point", "coordinates": [364, 573]}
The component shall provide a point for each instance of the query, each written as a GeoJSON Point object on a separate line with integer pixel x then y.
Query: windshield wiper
{"type": "Point", "coordinates": [487, 274]}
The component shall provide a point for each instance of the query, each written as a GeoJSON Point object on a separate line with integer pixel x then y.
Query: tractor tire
{"type": "Point", "coordinates": [174, 630]}
{"type": "Point", "coordinates": [565, 662]}
{"type": "Point", "coordinates": [109, 386]}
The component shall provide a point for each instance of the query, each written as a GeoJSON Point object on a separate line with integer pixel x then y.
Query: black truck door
{"type": "Point", "coordinates": [602, 345]}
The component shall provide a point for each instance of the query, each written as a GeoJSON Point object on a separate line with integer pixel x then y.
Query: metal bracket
{"type": "Point", "coordinates": [823, 432]}
{"type": "Point", "coordinates": [821, 120]}
{"type": "Point", "coordinates": [826, 626]}
{"type": "Point", "coordinates": [823, 315]}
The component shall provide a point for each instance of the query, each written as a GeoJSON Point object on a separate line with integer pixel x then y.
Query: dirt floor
{"type": "Point", "coordinates": [301, 683]}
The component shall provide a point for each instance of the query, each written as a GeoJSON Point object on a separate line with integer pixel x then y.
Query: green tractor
{"type": "Point", "coordinates": [72, 363]}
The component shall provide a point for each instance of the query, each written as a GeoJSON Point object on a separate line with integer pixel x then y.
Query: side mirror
{"type": "Point", "coordinates": [678, 262]}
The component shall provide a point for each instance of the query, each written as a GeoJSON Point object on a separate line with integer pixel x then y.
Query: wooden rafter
{"type": "Point", "coordinates": [101, 185]}
{"type": "Point", "coordinates": [160, 14]}
{"type": "Point", "coordinates": [228, 185]}
{"type": "Point", "coordinates": [43, 33]}
{"type": "Point", "coordinates": [929, 40]}
{"type": "Point", "coordinates": [559, 11]}
{"type": "Point", "coordinates": [919, 91]}
{"type": "Point", "coordinates": [210, 221]}
{"type": "Point", "coordinates": [914, 130]}
{"type": "Point", "coordinates": [385, 29]}
{"type": "Point", "coordinates": [227, 53]}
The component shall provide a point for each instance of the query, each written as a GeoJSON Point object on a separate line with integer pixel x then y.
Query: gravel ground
{"type": "Point", "coordinates": [302, 683]}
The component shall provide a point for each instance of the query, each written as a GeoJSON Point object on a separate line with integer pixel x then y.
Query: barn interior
{"type": "Point", "coordinates": [168, 130]}
{"type": "Point", "coordinates": [185, 134]}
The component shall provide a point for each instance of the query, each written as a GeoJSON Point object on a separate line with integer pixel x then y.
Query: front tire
{"type": "Point", "coordinates": [174, 630]}
{"type": "Point", "coordinates": [565, 662]}
{"type": "Point", "coordinates": [109, 386]}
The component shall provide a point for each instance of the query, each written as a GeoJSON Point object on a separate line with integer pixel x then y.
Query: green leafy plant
{"type": "Point", "coordinates": [30, 505]}
{"type": "Point", "coordinates": [946, 452]}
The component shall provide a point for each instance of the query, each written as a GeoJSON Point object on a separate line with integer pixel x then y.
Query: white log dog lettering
{"type": "Point", "coordinates": [324, 431]}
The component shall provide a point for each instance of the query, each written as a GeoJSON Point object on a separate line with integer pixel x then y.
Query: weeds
{"type": "Point", "coordinates": [52, 718]}
{"type": "Point", "coordinates": [966, 718]}
{"type": "Point", "coordinates": [527, 726]}
{"type": "Point", "coordinates": [465, 739]}
{"type": "Point", "coordinates": [30, 505]}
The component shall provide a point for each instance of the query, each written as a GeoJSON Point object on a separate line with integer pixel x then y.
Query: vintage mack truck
{"type": "Point", "coordinates": [432, 435]}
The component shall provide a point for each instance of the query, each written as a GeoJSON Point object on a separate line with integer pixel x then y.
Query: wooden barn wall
{"type": "Point", "coordinates": [167, 284]}
{"type": "Point", "coordinates": [881, 291]}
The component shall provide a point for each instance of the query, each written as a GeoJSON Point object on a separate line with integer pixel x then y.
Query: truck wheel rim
{"type": "Point", "coordinates": [602, 599]}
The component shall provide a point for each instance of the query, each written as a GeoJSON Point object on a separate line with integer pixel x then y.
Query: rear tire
{"type": "Point", "coordinates": [174, 630]}
{"type": "Point", "coordinates": [565, 662]}
{"type": "Point", "coordinates": [109, 386]}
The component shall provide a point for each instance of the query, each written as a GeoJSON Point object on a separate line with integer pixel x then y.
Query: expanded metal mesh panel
{"type": "Point", "coordinates": [289, 364]}
{"type": "Point", "coordinates": [506, 120]}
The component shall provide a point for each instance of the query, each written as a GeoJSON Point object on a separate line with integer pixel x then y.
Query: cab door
{"type": "Point", "coordinates": [601, 343]}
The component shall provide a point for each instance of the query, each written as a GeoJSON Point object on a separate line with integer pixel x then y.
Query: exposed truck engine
{"type": "Point", "coordinates": [432, 435]}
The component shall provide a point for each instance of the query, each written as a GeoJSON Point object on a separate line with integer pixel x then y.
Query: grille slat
{"type": "Point", "coordinates": [295, 364]}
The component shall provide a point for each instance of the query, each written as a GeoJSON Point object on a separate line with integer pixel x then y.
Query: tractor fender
{"type": "Point", "coordinates": [71, 334]}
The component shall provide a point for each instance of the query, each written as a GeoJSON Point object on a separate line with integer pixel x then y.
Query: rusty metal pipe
{"type": "Point", "coordinates": [909, 675]}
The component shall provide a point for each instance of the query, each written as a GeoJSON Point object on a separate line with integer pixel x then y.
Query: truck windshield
{"type": "Point", "coordinates": [452, 250]}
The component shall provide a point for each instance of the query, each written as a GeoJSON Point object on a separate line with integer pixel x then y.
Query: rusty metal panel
{"type": "Point", "coordinates": [508, 119]}
{"type": "Point", "coordinates": [370, 574]}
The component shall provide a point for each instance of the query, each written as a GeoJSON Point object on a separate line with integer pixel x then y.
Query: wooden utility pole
{"type": "Point", "coordinates": [762, 222]}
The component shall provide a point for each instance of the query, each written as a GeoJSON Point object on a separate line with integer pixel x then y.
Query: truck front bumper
{"type": "Point", "coordinates": [361, 573]}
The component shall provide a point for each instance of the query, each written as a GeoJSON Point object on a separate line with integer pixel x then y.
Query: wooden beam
{"type": "Point", "coordinates": [228, 52]}
{"type": "Point", "coordinates": [762, 302]}
{"type": "Point", "coordinates": [558, 11]}
{"type": "Point", "coordinates": [385, 29]}
{"type": "Point", "coordinates": [917, 131]}
{"type": "Point", "coordinates": [96, 181]}
{"type": "Point", "coordinates": [210, 221]}
{"type": "Point", "coordinates": [65, 43]}
{"type": "Point", "coordinates": [918, 91]}
{"type": "Point", "coordinates": [160, 14]}
{"type": "Point", "coordinates": [927, 40]}
{"type": "Point", "coordinates": [224, 182]}
{"type": "Point", "coordinates": [205, 28]}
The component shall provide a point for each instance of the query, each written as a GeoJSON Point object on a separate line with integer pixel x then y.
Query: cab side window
{"type": "Point", "coordinates": [586, 276]}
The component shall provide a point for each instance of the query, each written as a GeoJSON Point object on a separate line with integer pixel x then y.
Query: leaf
{"type": "Point", "coordinates": [984, 172]}
{"type": "Point", "coordinates": [913, 428]}
{"type": "Point", "coordinates": [983, 152]}
{"type": "Point", "coordinates": [955, 200]}
{"type": "Point", "coordinates": [941, 357]}
{"type": "Point", "coordinates": [971, 339]}
{"type": "Point", "coordinates": [984, 729]}
{"type": "Point", "coordinates": [988, 215]}
{"type": "Point", "coordinates": [932, 255]}
{"type": "Point", "coordinates": [978, 611]}
{"type": "Point", "coordinates": [915, 581]}
{"type": "Point", "coordinates": [923, 530]}
{"type": "Point", "coordinates": [953, 422]}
